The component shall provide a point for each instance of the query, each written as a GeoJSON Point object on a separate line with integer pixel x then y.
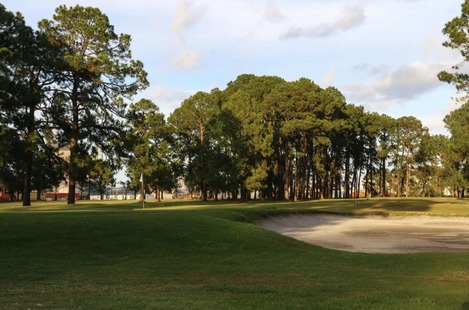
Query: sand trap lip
{"type": "Point", "coordinates": [376, 234]}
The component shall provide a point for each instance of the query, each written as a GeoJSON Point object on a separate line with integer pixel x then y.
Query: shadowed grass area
{"type": "Point", "coordinates": [199, 255]}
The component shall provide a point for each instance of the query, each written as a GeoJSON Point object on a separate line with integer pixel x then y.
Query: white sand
{"type": "Point", "coordinates": [376, 234]}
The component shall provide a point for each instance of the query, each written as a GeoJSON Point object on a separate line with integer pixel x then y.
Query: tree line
{"type": "Point", "coordinates": [71, 83]}
{"type": "Point", "coordinates": [264, 137]}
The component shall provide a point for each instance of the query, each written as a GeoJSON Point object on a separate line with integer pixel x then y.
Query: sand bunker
{"type": "Point", "coordinates": [376, 234]}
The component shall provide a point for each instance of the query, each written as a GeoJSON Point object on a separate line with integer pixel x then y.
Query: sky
{"type": "Point", "coordinates": [382, 54]}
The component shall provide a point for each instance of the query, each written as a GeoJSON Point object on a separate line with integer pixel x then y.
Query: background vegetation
{"type": "Point", "coordinates": [71, 85]}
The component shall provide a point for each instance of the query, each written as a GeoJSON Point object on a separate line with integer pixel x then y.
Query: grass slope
{"type": "Point", "coordinates": [191, 255]}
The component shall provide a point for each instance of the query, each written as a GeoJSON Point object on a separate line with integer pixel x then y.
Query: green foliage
{"type": "Point", "coordinates": [457, 121]}
{"type": "Point", "coordinates": [457, 32]}
{"type": "Point", "coordinates": [430, 165]}
{"type": "Point", "coordinates": [68, 85]}
{"type": "Point", "coordinates": [27, 71]}
{"type": "Point", "coordinates": [274, 139]}
{"type": "Point", "coordinates": [458, 124]}
{"type": "Point", "coordinates": [295, 134]}
{"type": "Point", "coordinates": [406, 140]}
{"type": "Point", "coordinates": [148, 139]}
{"type": "Point", "coordinates": [98, 74]}
{"type": "Point", "coordinates": [206, 143]}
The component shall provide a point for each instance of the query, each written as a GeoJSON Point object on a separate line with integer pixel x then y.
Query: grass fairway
{"type": "Point", "coordinates": [191, 255]}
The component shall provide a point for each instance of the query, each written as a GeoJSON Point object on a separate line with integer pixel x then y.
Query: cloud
{"type": "Point", "coordinates": [272, 13]}
{"type": "Point", "coordinates": [186, 15]}
{"type": "Point", "coordinates": [434, 123]}
{"type": "Point", "coordinates": [169, 98]}
{"type": "Point", "coordinates": [432, 45]}
{"type": "Point", "coordinates": [359, 93]}
{"type": "Point", "coordinates": [187, 59]}
{"type": "Point", "coordinates": [397, 85]}
{"type": "Point", "coordinates": [433, 117]}
{"type": "Point", "coordinates": [409, 81]}
{"type": "Point", "coordinates": [370, 69]}
{"type": "Point", "coordinates": [352, 17]}
{"type": "Point", "coordinates": [329, 77]}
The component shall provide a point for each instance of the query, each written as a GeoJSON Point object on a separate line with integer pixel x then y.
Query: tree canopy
{"type": "Point", "coordinates": [97, 76]}
{"type": "Point", "coordinates": [457, 31]}
{"type": "Point", "coordinates": [73, 82]}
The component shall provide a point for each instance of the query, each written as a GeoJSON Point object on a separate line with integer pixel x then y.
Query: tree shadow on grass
{"type": "Point", "coordinates": [380, 205]}
{"type": "Point", "coordinates": [411, 205]}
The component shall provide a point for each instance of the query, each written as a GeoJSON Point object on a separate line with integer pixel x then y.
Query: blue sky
{"type": "Point", "coordinates": [382, 54]}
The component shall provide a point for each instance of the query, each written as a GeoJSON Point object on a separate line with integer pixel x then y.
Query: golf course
{"type": "Point", "coordinates": [212, 255]}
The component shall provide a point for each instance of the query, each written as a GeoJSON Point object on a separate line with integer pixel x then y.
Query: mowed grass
{"type": "Point", "coordinates": [195, 255]}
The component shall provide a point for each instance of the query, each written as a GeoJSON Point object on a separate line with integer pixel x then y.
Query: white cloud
{"type": "Point", "coordinates": [398, 85]}
{"type": "Point", "coordinates": [408, 81]}
{"type": "Point", "coordinates": [186, 15]}
{"type": "Point", "coordinates": [329, 77]}
{"type": "Point", "coordinates": [370, 69]}
{"type": "Point", "coordinates": [187, 59]}
{"type": "Point", "coordinates": [434, 122]}
{"type": "Point", "coordinates": [272, 13]}
{"type": "Point", "coordinates": [358, 93]}
{"type": "Point", "coordinates": [352, 17]}
{"type": "Point", "coordinates": [432, 46]}
{"type": "Point", "coordinates": [433, 118]}
{"type": "Point", "coordinates": [168, 98]}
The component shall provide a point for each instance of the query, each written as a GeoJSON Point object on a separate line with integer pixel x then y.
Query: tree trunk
{"type": "Point", "coordinates": [407, 177]}
{"type": "Point", "coordinates": [28, 163]}
{"type": "Point", "coordinates": [301, 178]}
{"type": "Point", "coordinates": [322, 187]}
{"type": "Point", "coordinates": [72, 171]}
{"type": "Point", "coordinates": [407, 180]}
{"type": "Point", "coordinates": [307, 184]}
{"type": "Point", "coordinates": [204, 192]}
{"type": "Point", "coordinates": [383, 177]}
{"type": "Point", "coordinates": [142, 192]}
{"type": "Point", "coordinates": [398, 181]}
{"type": "Point", "coordinates": [338, 191]}
{"type": "Point", "coordinates": [72, 176]}
{"type": "Point", "coordinates": [27, 178]}
{"type": "Point", "coordinates": [359, 182]}
{"type": "Point", "coordinates": [347, 175]}
{"type": "Point", "coordinates": [287, 179]}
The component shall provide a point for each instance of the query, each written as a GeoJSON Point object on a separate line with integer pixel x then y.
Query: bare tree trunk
{"type": "Point", "coordinates": [407, 178]}
{"type": "Point", "coordinates": [347, 176]}
{"type": "Point", "coordinates": [383, 177]}
{"type": "Point", "coordinates": [72, 171]}
{"type": "Point", "coordinates": [27, 178]}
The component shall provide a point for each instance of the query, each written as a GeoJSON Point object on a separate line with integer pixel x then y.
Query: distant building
{"type": "Point", "coordinates": [60, 192]}
{"type": "Point", "coordinates": [4, 195]}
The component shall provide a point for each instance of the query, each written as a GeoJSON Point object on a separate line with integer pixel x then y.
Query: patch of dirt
{"type": "Point", "coordinates": [376, 234]}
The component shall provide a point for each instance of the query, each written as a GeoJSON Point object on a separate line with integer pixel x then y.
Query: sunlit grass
{"type": "Point", "coordinates": [210, 255]}
{"type": "Point", "coordinates": [390, 206]}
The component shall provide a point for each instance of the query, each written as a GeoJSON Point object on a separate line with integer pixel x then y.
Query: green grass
{"type": "Point", "coordinates": [195, 255]}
